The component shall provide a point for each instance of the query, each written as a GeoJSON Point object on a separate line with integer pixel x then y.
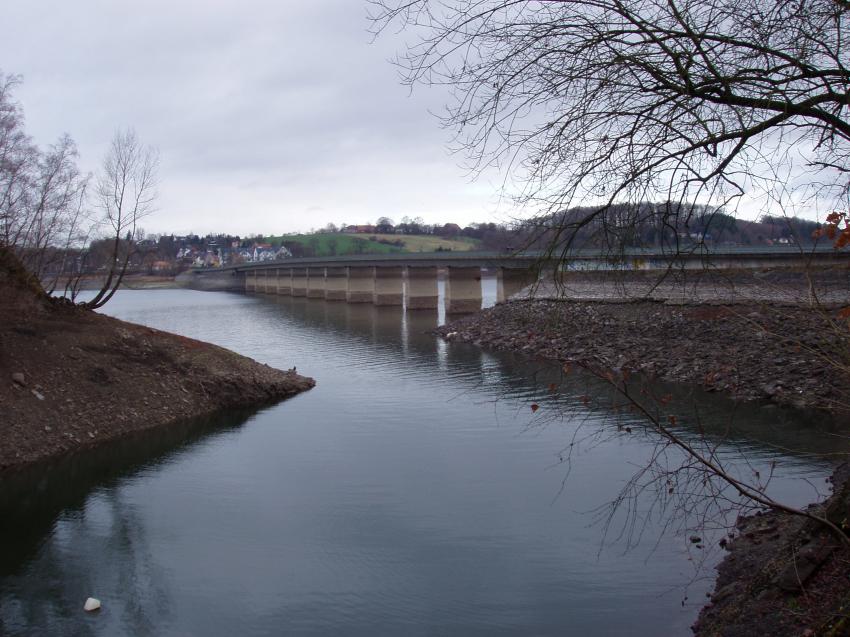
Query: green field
{"type": "Point", "coordinates": [430, 243]}
{"type": "Point", "coordinates": [326, 244]}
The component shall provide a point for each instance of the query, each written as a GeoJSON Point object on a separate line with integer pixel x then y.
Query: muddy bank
{"type": "Point", "coordinates": [784, 575]}
{"type": "Point", "coordinates": [71, 379]}
{"type": "Point", "coordinates": [750, 350]}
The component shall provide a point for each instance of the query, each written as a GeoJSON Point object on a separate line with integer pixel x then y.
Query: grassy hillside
{"type": "Point", "coordinates": [430, 243]}
{"type": "Point", "coordinates": [324, 245]}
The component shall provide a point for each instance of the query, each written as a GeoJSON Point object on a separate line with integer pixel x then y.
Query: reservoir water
{"type": "Point", "coordinates": [414, 491]}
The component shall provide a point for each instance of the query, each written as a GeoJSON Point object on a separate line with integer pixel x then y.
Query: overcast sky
{"type": "Point", "coordinates": [270, 116]}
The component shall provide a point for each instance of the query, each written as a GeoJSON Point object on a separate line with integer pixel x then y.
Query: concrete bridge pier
{"type": "Point", "coordinates": [249, 281]}
{"type": "Point", "coordinates": [299, 281]}
{"type": "Point", "coordinates": [315, 283]}
{"type": "Point", "coordinates": [263, 285]}
{"type": "Point", "coordinates": [509, 281]}
{"type": "Point", "coordinates": [422, 288]}
{"type": "Point", "coordinates": [463, 290]}
{"type": "Point", "coordinates": [336, 284]}
{"type": "Point", "coordinates": [284, 281]}
{"type": "Point", "coordinates": [361, 285]}
{"type": "Point", "coordinates": [389, 286]}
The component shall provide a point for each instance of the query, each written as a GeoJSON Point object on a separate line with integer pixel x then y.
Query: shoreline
{"type": "Point", "coordinates": [746, 350]}
{"type": "Point", "coordinates": [72, 379]}
{"type": "Point", "coordinates": [130, 282]}
{"type": "Point", "coordinates": [783, 574]}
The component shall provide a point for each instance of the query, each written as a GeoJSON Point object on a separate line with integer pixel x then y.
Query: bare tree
{"type": "Point", "coordinates": [613, 117]}
{"type": "Point", "coordinates": [124, 194]}
{"type": "Point", "coordinates": [42, 194]}
{"type": "Point", "coordinates": [598, 102]}
{"type": "Point", "coordinates": [17, 156]}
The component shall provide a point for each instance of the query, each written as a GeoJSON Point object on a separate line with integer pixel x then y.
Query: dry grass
{"type": "Point", "coordinates": [429, 243]}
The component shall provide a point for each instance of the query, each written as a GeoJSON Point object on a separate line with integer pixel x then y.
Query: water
{"type": "Point", "coordinates": [412, 492]}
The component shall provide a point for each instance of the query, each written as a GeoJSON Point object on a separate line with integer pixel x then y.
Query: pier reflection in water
{"type": "Point", "coordinates": [412, 491]}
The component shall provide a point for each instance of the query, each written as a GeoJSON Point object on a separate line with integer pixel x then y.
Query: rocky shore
{"type": "Point", "coordinates": [784, 575]}
{"type": "Point", "coordinates": [72, 379]}
{"type": "Point", "coordinates": [782, 353]}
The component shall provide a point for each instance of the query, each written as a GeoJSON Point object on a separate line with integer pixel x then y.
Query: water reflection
{"type": "Point", "coordinates": [413, 491]}
{"type": "Point", "coordinates": [759, 427]}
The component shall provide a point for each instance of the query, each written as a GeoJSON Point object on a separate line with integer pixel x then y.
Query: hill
{"type": "Point", "coordinates": [333, 244]}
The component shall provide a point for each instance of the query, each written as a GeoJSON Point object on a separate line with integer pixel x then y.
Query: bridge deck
{"type": "Point", "coordinates": [527, 259]}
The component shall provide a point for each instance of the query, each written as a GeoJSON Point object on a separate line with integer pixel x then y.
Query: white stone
{"type": "Point", "coordinates": [91, 604]}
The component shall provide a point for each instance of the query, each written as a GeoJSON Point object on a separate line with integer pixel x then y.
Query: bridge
{"type": "Point", "coordinates": [410, 279]}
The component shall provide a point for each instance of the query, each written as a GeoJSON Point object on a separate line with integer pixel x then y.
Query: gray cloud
{"type": "Point", "coordinates": [269, 116]}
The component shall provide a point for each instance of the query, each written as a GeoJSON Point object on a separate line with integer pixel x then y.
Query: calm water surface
{"type": "Point", "coordinates": [412, 492]}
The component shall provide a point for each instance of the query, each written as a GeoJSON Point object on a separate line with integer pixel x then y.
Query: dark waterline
{"type": "Point", "coordinates": [411, 492]}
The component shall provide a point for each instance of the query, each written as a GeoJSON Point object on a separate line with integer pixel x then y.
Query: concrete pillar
{"type": "Point", "coordinates": [336, 284]}
{"type": "Point", "coordinates": [299, 281]}
{"type": "Point", "coordinates": [463, 290]}
{"type": "Point", "coordinates": [284, 281]}
{"type": "Point", "coordinates": [389, 285]}
{"type": "Point", "coordinates": [316, 283]}
{"type": "Point", "coordinates": [268, 281]}
{"type": "Point", "coordinates": [509, 281]}
{"type": "Point", "coordinates": [361, 285]}
{"type": "Point", "coordinates": [249, 281]}
{"type": "Point", "coordinates": [422, 288]}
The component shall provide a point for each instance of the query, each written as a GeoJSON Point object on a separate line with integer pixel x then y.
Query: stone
{"type": "Point", "coordinates": [91, 604]}
{"type": "Point", "coordinates": [803, 566]}
{"type": "Point", "coordinates": [38, 395]}
{"type": "Point", "coordinates": [19, 379]}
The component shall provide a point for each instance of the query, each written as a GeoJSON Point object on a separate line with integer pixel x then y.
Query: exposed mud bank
{"type": "Point", "coordinates": [71, 379]}
{"type": "Point", "coordinates": [782, 353]}
{"type": "Point", "coordinates": [784, 575]}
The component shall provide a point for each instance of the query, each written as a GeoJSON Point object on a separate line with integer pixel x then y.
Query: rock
{"type": "Point", "coordinates": [91, 604]}
{"type": "Point", "coordinates": [770, 389]}
{"type": "Point", "coordinates": [19, 379]}
{"type": "Point", "coordinates": [727, 591]}
{"type": "Point", "coordinates": [803, 566]}
{"type": "Point", "coordinates": [38, 395]}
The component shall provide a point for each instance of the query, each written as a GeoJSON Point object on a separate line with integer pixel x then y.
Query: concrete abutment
{"type": "Point", "coordinates": [361, 285]}
{"type": "Point", "coordinates": [389, 286]}
{"type": "Point", "coordinates": [463, 290]}
{"type": "Point", "coordinates": [422, 288]}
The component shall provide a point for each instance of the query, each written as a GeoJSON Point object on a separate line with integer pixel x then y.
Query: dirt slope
{"type": "Point", "coordinates": [72, 379]}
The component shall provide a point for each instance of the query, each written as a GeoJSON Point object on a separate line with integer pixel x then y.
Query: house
{"type": "Point", "coordinates": [364, 229]}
